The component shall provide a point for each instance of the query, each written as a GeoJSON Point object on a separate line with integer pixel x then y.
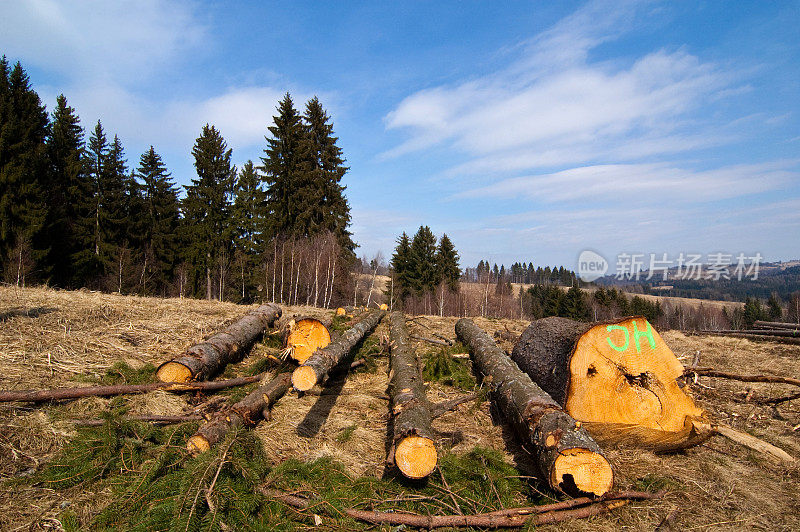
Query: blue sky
{"type": "Point", "coordinates": [524, 130]}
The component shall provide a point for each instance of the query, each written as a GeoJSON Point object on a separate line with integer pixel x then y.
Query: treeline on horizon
{"type": "Point", "coordinates": [75, 213]}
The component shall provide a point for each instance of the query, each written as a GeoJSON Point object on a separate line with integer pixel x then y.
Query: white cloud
{"type": "Point", "coordinates": [554, 107]}
{"type": "Point", "coordinates": [643, 183]}
{"type": "Point", "coordinates": [99, 39]}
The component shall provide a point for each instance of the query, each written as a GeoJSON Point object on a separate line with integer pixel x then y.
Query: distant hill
{"type": "Point", "coordinates": [782, 278]}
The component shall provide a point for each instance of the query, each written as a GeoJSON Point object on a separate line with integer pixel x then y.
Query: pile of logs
{"type": "Point", "coordinates": [566, 388]}
{"type": "Point", "coordinates": [774, 331]}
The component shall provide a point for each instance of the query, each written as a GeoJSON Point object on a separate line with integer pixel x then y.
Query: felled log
{"type": "Point", "coordinates": [567, 456]}
{"type": "Point", "coordinates": [320, 363]}
{"type": "Point", "coordinates": [618, 377]}
{"type": "Point", "coordinates": [413, 450]}
{"type": "Point", "coordinates": [757, 337]}
{"type": "Point", "coordinates": [206, 359]}
{"type": "Point", "coordinates": [775, 325]}
{"type": "Point", "coordinates": [58, 394]}
{"type": "Point", "coordinates": [302, 335]}
{"type": "Point", "coordinates": [247, 412]}
{"type": "Point", "coordinates": [789, 333]}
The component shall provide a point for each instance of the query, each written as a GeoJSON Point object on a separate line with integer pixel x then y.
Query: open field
{"type": "Point", "coordinates": [78, 336]}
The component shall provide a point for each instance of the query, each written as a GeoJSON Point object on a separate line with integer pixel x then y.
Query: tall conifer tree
{"type": "Point", "coordinates": [447, 263]}
{"type": "Point", "coordinates": [208, 203]}
{"type": "Point", "coordinates": [160, 209]}
{"type": "Point", "coordinates": [328, 206]}
{"type": "Point", "coordinates": [23, 209]}
{"type": "Point", "coordinates": [286, 164]}
{"type": "Point", "coordinates": [423, 260]}
{"type": "Point", "coordinates": [69, 191]}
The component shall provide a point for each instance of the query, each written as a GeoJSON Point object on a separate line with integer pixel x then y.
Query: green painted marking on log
{"type": "Point", "coordinates": [610, 328]}
{"type": "Point", "coordinates": [647, 334]}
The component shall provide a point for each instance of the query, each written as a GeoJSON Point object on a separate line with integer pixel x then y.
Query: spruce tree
{"type": "Point", "coordinates": [249, 219]}
{"type": "Point", "coordinates": [423, 261]}
{"type": "Point", "coordinates": [447, 263]}
{"type": "Point", "coordinates": [774, 308]}
{"type": "Point", "coordinates": [328, 206]}
{"type": "Point", "coordinates": [23, 207]}
{"type": "Point", "coordinates": [208, 204]}
{"type": "Point", "coordinates": [402, 268]}
{"type": "Point", "coordinates": [286, 165]}
{"type": "Point", "coordinates": [160, 213]}
{"type": "Point", "coordinates": [70, 195]}
{"type": "Point", "coordinates": [87, 261]}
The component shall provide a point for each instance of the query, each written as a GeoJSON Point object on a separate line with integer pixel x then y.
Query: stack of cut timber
{"type": "Point", "coordinates": [618, 377]}
{"type": "Point", "coordinates": [773, 331]}
{"type": "Point", "coordinates": [208, 358]}
{"type": "Point", "coordinates": [568, 457]}
{"type": "Point", "coordinates": [303, 335]}
{"type": "Point", "coordinates": [413, 450]}
{"type": "Point", "coordinates": [322, 361]}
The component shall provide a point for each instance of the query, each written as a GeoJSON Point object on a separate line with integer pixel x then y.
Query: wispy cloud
{"type": "Point", "coordinates": [643, 183]}
{"type": "Point", "coordinates": [555, 107]}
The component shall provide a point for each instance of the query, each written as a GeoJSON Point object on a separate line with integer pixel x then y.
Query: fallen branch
{"type": "Point", "coordinates": [444, 407]}
{"type": "Point", "coordinates": [432, 340]}
{"type": "Point", "coordinates": [158, 420]}
{"type": "Point", "coordinates": [778, 400]}
{"type": "Point", "coordinates": [512, 517]}
{"type": "Point", "coordinates": [711, 372]}
{"type": "Point", "coordinates": [754, 443]}
{"type": "Point", "coordinates": [770, 338]}
{"type": "Point", "coordinates": [57, 394]}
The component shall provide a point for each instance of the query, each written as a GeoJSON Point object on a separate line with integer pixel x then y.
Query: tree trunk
{"type": "Point", "coordinates": [618, 377]}
{"type": "Point", "coordinates": [775, 325]}
{"type": "Point", "coordinates": [569, 459]}
{"type": "Point", "coordinates": [413, 451]}
{"type": "Point", "coordinates": [247, 412]}
{"type": "Point", "coordinates": [320, 363]}
{"type": "Point", "coordinates": [205, 359]}
{"type": "Point", "coordinates": [303, 335]}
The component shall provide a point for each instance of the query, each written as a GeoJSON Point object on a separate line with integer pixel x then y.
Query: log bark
{"type": "Point", "coordinates": [569, 459]}
{"type": "Point", "coordinates": [320, 363]}
{"type": "Point", "coordinates": [247, 412]}
{"type": "Point", "coordinates": [413, 450]}
{"type": "Point", "coordinates": [58, 394]}
{"type": "Point", "coordinates": [619, 377]}
{"type": "Point", "coordinates": [208, 358]}
{"type": "Point", "coordinates": [303, 335]}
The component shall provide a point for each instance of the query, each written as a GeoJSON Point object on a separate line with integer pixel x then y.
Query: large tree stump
{"type": "Point", "coordinates": [569, 459]}
{"type": "Point", "coordinates": [320, 363]}
{"type": "Point", "coordinates": [205, 359]}
{"type": "Point", "coordinates": [303, 335]}
{"type": "Point", "coordinates": [413, 450]}
{"type": "Point", "coordinates": [618, 377]}
{"type": "Point", "coordinates": [247, 412]}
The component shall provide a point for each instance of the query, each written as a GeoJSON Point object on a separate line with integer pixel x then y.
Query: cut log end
{"type": "Point", "coordinates": [340, 311]}
{"type": "Point", "coordinates": [582, 471]}
{"type": "Point", "coordinates": [306, 336]}
{"type": "Point", "coordinates": [304, 378]}
{"type": "Point", "coordinates": [197, 444]}
{"type": "Point", "coordinates": [625, 373]}
{"type": "Point", "coordinates": [416, 456]}
{"type": "Point", "coordinates": [174, 372]}
{"type": "Point", "coordinates": [384, 306]}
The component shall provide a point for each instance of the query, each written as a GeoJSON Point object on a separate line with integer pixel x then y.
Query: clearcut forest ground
{"type": "Point", "coordinates": [79, 336]}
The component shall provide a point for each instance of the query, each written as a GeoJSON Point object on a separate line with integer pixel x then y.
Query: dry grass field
{"type": "Point", "coordinates": [74, 338]}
